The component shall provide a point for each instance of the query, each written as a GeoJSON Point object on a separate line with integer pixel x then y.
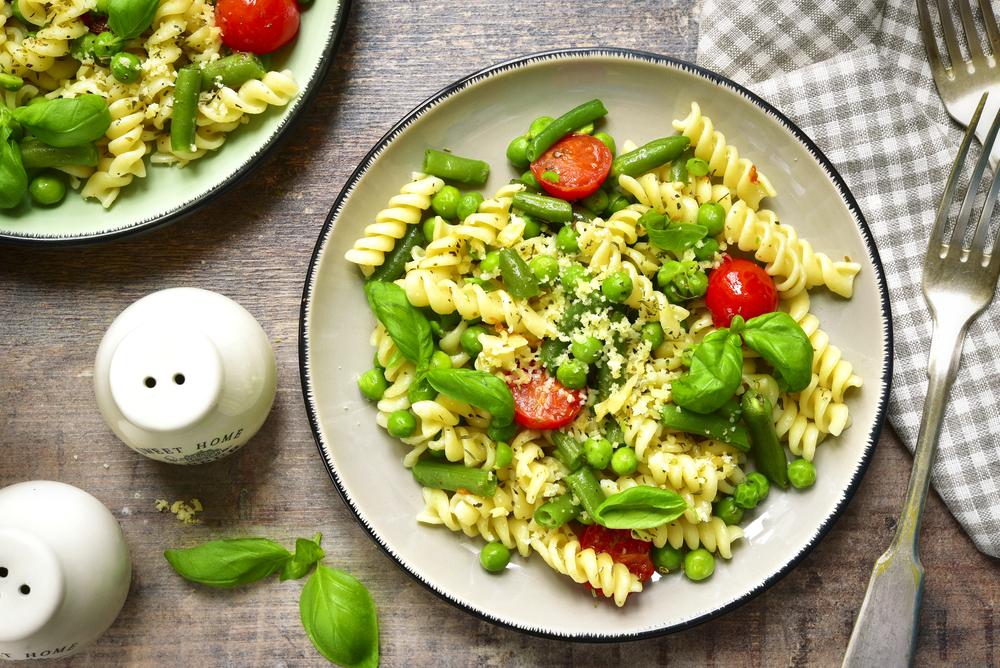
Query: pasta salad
{"type": "Point", "coordinates": [610, 360]}
{"type": "Point", "coordinates": [88, 88]}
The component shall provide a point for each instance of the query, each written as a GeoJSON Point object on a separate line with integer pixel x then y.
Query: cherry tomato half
{"type": "Point", "coordinates": [624, 549]}
{"type": "Point", "coordinates": [258, 26]}
{"type": "Point", "coordinates": [580, 162]}
{"type": "Point", "coordinates": [543, 403]}
{"type": "Point", "coordinates": [740, 287]}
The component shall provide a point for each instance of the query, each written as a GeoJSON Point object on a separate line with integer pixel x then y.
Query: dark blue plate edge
{"type": "Point", "coordinates": [839, 182]}
{"type": "Point", "coordinates": [306, 100]}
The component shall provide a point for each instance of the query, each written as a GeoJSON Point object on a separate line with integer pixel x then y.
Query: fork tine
{"type": "Point", "coordinates": [937, 239]}
{"type": "Point", "coordinates": [976, 54]}
{"type": "Point", "coordinates": [992, 31]}
{"type": "Point", "coordinates": [977, 251]}
{"type": "Point", "coordinates": [950, 36]}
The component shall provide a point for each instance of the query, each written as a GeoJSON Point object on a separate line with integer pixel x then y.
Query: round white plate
{"type": "Point", "coordinates": [477, 117]}
{"type": "Point", "coordinates": [167, 194]}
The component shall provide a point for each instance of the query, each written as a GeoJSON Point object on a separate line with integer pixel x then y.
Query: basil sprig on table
{"type": "Point", "coordinates": [640, 507]}
{"type": "Point", "coordinates": [411, 332]}
{"type": "Point", "coordinates": [337, 612]}
{"type": "Point", "coordinates": [717, 362]}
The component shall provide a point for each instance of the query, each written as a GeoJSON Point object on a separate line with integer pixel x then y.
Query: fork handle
{"type": "Point", "coordinates": [885, 632]}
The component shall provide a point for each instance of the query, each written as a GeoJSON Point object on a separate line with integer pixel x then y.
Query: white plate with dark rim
{"type": "Point", "coordinates": [168, 194]}
{"type": "Point", "coordinates": [476, 117]}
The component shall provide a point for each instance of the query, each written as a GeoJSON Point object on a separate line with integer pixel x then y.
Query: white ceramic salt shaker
{"type": "Point", "coordinates": [65, 570]}
{"type": "Point", "coordinates": [185, 376]}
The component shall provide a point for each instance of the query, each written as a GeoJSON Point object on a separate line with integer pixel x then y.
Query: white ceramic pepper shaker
{"type": "Point", "coordinates": [185, 376]}
{"type": "Point", "coordinates": [65, 570]}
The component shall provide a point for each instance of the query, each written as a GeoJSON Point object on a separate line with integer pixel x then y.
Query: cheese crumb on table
{"type": "Point", "coordinates": [185, 512]}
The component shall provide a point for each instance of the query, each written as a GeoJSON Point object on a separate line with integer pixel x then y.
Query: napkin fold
{"type": "Point", "coordinates": [854, 77]}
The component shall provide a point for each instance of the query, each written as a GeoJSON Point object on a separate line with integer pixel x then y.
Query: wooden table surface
{"type": "Point", "coordinates": [254, 245]}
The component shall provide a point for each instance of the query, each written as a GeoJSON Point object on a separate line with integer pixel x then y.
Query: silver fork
{"type": "Point", "coordinates": [958, 285]}
{"type": "Point", "coordinates": [963, 82]}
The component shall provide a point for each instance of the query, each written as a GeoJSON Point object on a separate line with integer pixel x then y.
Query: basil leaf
{"type": "Point", "coordinates": [129, 18]}
{"type": "Point", "coordinates": [782, 342]}
{"type": "Point", "coordinates": [229, 562]}
{"type": "Point", "coordinates": [640, 507]}
{"type": "Point", "coordinates": [339, 617]}
{"type": "Point", "coordinates": [13, 178]}
{"type": "Point", "coordinates": [407, 326]}
{"type": "Point", "coordinates": [675, 237]}
{"type": "Point", "coordinates": [65, 122]}
{"type": "Point", "coordinates": [715, 374]}
{"type": "Point", "coordinates": [478, 388]}
{"type": "Point", "coordinates": [307, 553]}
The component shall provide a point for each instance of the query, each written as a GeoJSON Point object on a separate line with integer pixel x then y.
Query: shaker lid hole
{"type": "Point", "coordinates": [179, 378]}
{"type": "Point", "coordinates": [3, 572]}
{"type": "Point", "coordinates": [150, 382]}
{"type": "Point", "coordinates": [24, 589]}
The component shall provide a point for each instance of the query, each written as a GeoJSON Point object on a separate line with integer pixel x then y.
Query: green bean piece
{"type": "Point", "coordinates": [37, 155]}
{"type": "Point", "coordinates": [584, 484]}
{"type": "Point", "coordinates": [453, 477]}
{"type": "Point", "coordinates": [613, 432]}
{"type": "Point", "coordinates": [648, 156]}
{"type": "Point", "coordinates": [574, 313]}
{"type": "Point", "coordinates": [232, 71]}
{"type": "Point", "coordinates": [731, 410]}
{"type": "Point", "coordinates": [550, 351]}
{"type": "Point", "coordinates": [547, 208]}
{"type": "Point", "coordinates": [767, 450]}
{"type": "Point", "coordinates": [455, 168]}
{"type": "Point", "coordinates": [11, 82]}
{"type": "Point", "coordinates": [678, 172]}
{"type": "Point", "coordinates": [557, 512]}
{"type": "Point", "coordinates": [517, 276]}
{"type": "Point", "coordinates": [185, 113]}
{"type": "Point", "coordinates": [572, 453]}
{"type": "Point", "coordinates": [587, 112]}
{"type": "Point", "coordinates": [395, 260]}
{"type": "Point", "coordinates": [712, 426]}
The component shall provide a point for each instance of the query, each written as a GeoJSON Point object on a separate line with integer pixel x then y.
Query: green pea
{"type": "Point", "coordinates": [125, 67]}
{"type": "Point", "coordinates": [598, 452]}
{"type": "Point", "coordinates": [437, 454]}
{"type": "Point", "coordinates": [760, 483]}
{"type": "Point", "coordinates": [529, 180]}
{"type": "Point", "coordinates": [494, 557]}
{"type": "Point", "coordinates": [106, 45]}
{"type": "Point", "coordinates": [538, 125]}
{"type": "Point", "coordinates": [706, 249]}
{"type": "Point", "coordinates": [47, 188]}
{"type": "Point", "coordinates": [517, 152]}
{"type": "Point", "coordinates": [607, 140]}
{"type": "Point", "coordinates": [745, 496]}
{"type": "Point", "coordinates": [727, 510]}
{"type": "Point", "coordinates": [373, 383]}
{"type": "Point", "coordinates": [699, 564]}
{"type": "Point", "coordinates": [490, 263]}
{"type": "Point", "coordinates": [624, 461]}
{"type": "Point", "coordinates": [572, 275]}
{"type": "Point", "coordinates": [588, 350]}
{"type": "Point", "coordinates": [445, 202]}
{"type": "Point", "coordinates": [667, 271]}
{"type": "Point", "coordinates": [666, 558]}
{"type": "Point", "coordinates": [428, 229]}
{"type": "Point", "coordinates": [469, 204]}
{"type": "Point", "coordinates": [617, 287]}
{"type": "Point", "coordinates": [82, 48]}
{"type": "Point", "coordinates": [504, 455]}
{"type": "Point", "coordinates": [713, 217]}
{"type": "Point", "coordinates": [440, 360]}
{"type": "Point", "coordinates": [566, 240]}
{"type": "Point", "coordinates": [421, 391]}
{"type": "Point", "coordinates": [652, 333]}
{"type": "Point", "coordinates": [697, 166]}
{"type": "Point", "coordinates": [501, 433]}
{"type": "Point", "coordinates": [470, 341]}
{"type": "Point", "coordinates": [545, 269]}
{"type": "Point", "coordinates": [596, 203]}
{"type": "Point", "coordinates": [532, 228]}
{"type": "Point", "coordinates": [401, 424]}
{"type": "Point", "coordinates": [616, 202]}
{"type": "Point", "coordinates": [801, 473]}
{"type": "Point", "coordinates": [572, 374]}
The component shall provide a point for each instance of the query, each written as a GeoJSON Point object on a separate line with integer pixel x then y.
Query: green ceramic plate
{"type": "Point", "coordinates": [167, 193]}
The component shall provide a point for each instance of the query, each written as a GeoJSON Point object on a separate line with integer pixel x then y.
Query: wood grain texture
{"type": "Point", "coordinates": [254, 246]}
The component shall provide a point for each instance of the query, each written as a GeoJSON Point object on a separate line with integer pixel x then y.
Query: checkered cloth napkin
{"type": "Point", "coordinates": [853, 75]}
